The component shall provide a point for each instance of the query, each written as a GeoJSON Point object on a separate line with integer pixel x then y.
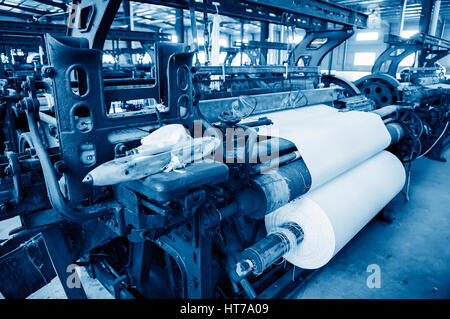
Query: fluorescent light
{"type": "Point", "coordinates": [408, 61]}
{"type": "Point", "coordinates": [367, 36]}
{"type": "Point", "coordinates": [223, 42]}
{"type": "Point", "coordinates": [200, 40]}
{"type": "Point", "coordinates": [298, 38]}
{"type": "Point", "coordinates": [146, 59]}
{"type": "Point", "coordinates": [108, 58]}
{"type": "Point", "coordinates": [408, 33]}
{"type": "Point", "coordinates": [364, 58]}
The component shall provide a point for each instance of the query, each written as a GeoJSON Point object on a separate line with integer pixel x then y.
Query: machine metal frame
{"type": "Point", "coordinates": [168, 235]}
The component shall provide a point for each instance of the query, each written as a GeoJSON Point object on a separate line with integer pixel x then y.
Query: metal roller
{"type": "Point", "coordinates": [268, 250]}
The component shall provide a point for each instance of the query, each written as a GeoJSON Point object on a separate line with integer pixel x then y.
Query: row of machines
{"type": "Point", "coordinates": [423, 89]}
{"type": "Point", "coordinates": [105, 184]}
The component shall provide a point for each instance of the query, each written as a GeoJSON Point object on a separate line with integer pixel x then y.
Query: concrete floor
{"type": "Point", "coordinates": [413, 252]}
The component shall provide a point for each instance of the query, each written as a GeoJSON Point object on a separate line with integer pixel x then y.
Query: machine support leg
{"type": "Point", "coordinates": [383, 217]}
{"type": "Point", "coordinates": [62, 259]}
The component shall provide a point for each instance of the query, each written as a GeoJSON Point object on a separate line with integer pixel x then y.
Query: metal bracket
{"type": "Point", "coordinates": [316, 45]}
{"type": "Point", "coordinates": [399, 48]}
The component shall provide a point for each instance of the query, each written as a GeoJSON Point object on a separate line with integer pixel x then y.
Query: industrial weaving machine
{"type": "Point", "coordinates": [205, 185]}
{"type": "Point", "coordinates": [422, 90]}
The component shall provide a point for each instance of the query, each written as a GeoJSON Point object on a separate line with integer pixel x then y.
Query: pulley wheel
{"type": "Point", "coordinates": [349, 88]}
{"type": "Point", "coordinates": [380, 92]}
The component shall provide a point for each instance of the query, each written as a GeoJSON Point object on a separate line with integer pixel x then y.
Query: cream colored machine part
{"type": "Point", "coordinates": [330, 142]}
{"type": "Point", "coordinates": [334, 213]}
{"type": "Point", "coordinates": [164, 139]}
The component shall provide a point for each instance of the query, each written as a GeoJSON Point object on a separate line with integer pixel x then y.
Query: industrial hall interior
{"type": "Point", "coordinates": [224, 149]}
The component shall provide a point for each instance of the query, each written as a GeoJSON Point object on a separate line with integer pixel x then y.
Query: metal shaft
{"type": "Point", "coordinates": [268, 250]}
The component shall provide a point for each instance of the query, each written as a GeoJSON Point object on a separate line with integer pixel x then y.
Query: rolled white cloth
{"type": "Point", "coordinates": [330, 142]}
{"type": "Point", "coordinates": [334, 213]}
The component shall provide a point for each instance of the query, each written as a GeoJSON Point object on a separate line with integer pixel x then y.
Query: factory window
{"type": "Point", "coordinates": [200, 57]}
{"type": "Point", "coordinates": [364, 58]}
{"type": "Point", "coordinates": [108, 58]}
{"type": "Point", "coordinates": [222, 57]}
{"type": "Point", "coordinates": [146, 59]}
{"type": "Point", "coordinates": [33, 57]}
{"type": "Point", "coordinates": [367, 36]}
{"type": "Point", "coordinates": [223, 42]}
{"type": "Point", "coordinates": [298, 38]}
{"type": "Point", "coordinates": [317, 43]}
{"type": "Point", "coordinates": [4, 58]}
{"type": "Point", "coordinates": [408, 33]}
{"type": "Point", "coordinates": [200, 40]}
{"type": "Point", "coordinates": [237, 59]}
{"type": "Point", "coordinates": [408, 61]}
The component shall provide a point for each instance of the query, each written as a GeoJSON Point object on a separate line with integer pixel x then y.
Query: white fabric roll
{"type": "Point", "coordinates": [334, 213]}
{"type": "Point", "coordinates": [291, 117]}
{"type": "Point", "coordinates": [329, 141]}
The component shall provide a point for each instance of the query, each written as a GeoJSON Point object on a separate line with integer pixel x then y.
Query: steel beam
{"type": "Point", "coordinates": [31, 10]}
{"type": "Point", "coordinates": [264, 38]}
{"type": "Point", "coordinates": [422, 43]}
{"type": "Point", "coordinates": [59, 5]}
{"type": "Point", "coordinates": [261, 45]}
{"type": "Point", "coordinates": [422, 39]}
{"type": "Point", "coordinates": [255, 69]}
{"type": "Point", "coordinates": [57, 29]}
{"type": "Point", "coordinates": [16, 15]}
{"type": "Point", "coordinates": [117, 34]}
{"type": "Point", "coordinates": [425, 16]}
{"type": "Point", "coordinates": [306, 14]}
{"type": "Point", "coordinates": [20, 41]}
{"type": "Point", "coordinates": [179, 25]}
{"type": "Point", "coordinates": [434, 18]}
{"type": "Point", "coordinates": [318, 9]}
{"type": "Point", "coordinates": [402, 16]}
{"type": "Point", "coordinates": [269, 102]}
{"type": "Point", "coordinates": [31, 28]}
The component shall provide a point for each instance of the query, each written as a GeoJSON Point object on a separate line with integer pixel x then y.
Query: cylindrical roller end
{"type": "Point", "coordinates": [395, 131]}
{"type": "Point", "coordinates": [271, 248]}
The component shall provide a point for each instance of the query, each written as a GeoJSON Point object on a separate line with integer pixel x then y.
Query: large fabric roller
{"type": "Point", "coordinates": [334, 213]}
{"type": "Point", "coordinates": [330, 142]}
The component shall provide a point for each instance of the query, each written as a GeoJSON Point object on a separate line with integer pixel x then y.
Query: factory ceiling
{"type": "Point", "coordinates": [163, 18]}
{"type": "Point", "coordinates": [391, 9]}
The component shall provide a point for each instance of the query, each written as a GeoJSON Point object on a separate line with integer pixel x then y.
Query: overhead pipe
{"type": "Point", "coordinates": [435, 18]}
{"type": "Point", "coordinates": [402, 17]}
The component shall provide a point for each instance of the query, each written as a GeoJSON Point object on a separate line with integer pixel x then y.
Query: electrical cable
{"type": "Point", "coordinates": [435, 142]}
